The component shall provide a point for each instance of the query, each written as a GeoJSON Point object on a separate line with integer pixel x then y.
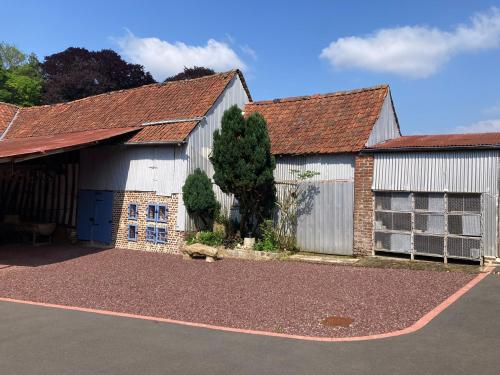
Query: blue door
{"type": "Point", "coordinates": [95, 216]}
{"type": "Point", "coordinates": [103, 217]}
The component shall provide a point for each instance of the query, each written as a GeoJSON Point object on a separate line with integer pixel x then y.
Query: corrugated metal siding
{"type": "Point", "coordinates": [326, 224]}
{"type": "Point", "coordinates": [460, 172]}
{"type": "Point", "coordinates": [134, 168]}
{"type": "Point", "coordinates": [330, 167]}
{"type": "Point", "coordinates": [386, 126]}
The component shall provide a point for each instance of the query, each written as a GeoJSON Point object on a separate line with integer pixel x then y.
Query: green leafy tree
{"type": "Point", "coordinates": [244, 165]}
{"type": "Point", "coordinates": [20, 77]}
{"type": "Point", "coordinates": [199, 199]}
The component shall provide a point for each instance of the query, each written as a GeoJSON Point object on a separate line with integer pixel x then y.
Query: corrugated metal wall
{"type": "Point", "coordinates": [326, 224]}
{"type": "Point", "coordinates": [386, 126]}
{"type": "Point", "coordinates": [329, 167]}
{"type": "Point", "coordinates": [459, 172]}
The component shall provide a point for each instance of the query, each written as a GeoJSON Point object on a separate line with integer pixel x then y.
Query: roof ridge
{"type": "Point", "coordinates": [441, 135]}
{"type": "Point", "coordinates": [9, 104]}
{"type": "Point", "coordinates": [320, 96]}
{"type": "Point", "coordinates": [157, 84]}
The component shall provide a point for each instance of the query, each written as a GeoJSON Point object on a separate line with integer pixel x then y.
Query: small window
{"type": "Point", "coordinates": [150, 234]}
{"type": "Point", "coordinates": [151, 212]}
{"type": "Point", "coordinates": [132, 211]}
{"type": "Point", "coordinates": [162, 213]}
{"type": "Point", "coordinates": [132, 232]}
{"type": "Point", "coordinates": [161, 235]}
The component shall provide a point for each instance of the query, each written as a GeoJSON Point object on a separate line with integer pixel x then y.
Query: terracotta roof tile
{"type": "Point", "coordinates": [7, 113]}
{"type": "Point", "coordinates": [125, 108]}
{"type": "Point", "coordinates": [330, 123]}
{"type": "Point", "coordinates": [168, 133]}
{"type": "Point", "coordinates": [441, 141]}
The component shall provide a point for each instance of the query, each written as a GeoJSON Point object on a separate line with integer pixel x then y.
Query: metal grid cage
{"type": "Point", "coordinates": [429, 223]}
{"type": "Point", "coordinates": [433, 202]}
{"type": "Point", "coordinates": [399, 221]}
{"type": "Point", "coordinates": [464, 203]}
{"type": "Point", "coordinates": [432, 245]}
{"type": "Point", "coordinates": [462, 247]}
{"type": "Point", "coordinates": [397, 242]}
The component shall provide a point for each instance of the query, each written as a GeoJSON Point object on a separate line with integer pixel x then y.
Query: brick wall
{"type": "Point", "coordinates": [363, 205]}
{"type": "Point", "coordinates": [142, 199]}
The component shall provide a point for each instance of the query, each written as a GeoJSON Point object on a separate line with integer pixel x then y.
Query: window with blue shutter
{"type": "Point", "coordinates": [132, 232]}
{"type": "Point", "coordinates": [132, 211]}
{"type": "Point", "coordinates": [161, 235]}
{"type": "Point", "coordinates": [150, 234]}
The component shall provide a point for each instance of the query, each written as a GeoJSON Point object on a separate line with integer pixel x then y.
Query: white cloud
{"type": "Point", "coordinates": [486, 126]}
{"type": "Point", "coordinates": [164, 59]}
{"type": "Point", "coordinates": [414, 51]}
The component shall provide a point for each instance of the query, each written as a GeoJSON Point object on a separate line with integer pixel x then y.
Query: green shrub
{"type": "Point", "coordinates": [199, 199]}
{"type": "Point", "coordinates": [206, 238]}
{"type": "Point", "coordinates": [269, 239]}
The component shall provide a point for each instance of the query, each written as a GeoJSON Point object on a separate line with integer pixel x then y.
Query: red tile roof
{"type": "Point", "coordinates": [330, 123]}
{"type": "Point", "coordinates": [7, 113]}
{"type": "Point", "coordinates": [43, 145]}
{"type": "Point", "coordinates": [185, 99]}
{"type": "Point", "coordinates": [441, 141]}
{"type": "Point", "coordinates": [165, 133]}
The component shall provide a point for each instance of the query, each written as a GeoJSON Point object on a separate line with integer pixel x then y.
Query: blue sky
{"type": "Point", "coordinates": [441, 58]}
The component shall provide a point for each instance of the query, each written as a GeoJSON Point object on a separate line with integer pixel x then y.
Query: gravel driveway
{"type": "Point", "coordinates": [283, 297]}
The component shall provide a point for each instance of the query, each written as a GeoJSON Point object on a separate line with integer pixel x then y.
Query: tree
{"type": "Point", "coordinates": [189, 73]}
{"type": "Point", "coordinates": [20, 76]}
{"type": "Point", "coordinates": [199, 198]}
{"type": "Point", "coordinates": [77, 73]}
{"type": "Point", "coordinates": [244, 165]}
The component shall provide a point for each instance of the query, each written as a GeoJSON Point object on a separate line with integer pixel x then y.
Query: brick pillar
{"type": "Point", "coordinates": [363, 205]}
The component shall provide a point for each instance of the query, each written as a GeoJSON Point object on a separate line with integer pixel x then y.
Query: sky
{"type": "Point", "coordinates": [440, 58]}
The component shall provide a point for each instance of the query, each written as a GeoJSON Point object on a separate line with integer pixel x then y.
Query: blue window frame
{"type": "Point", "coordinates": [162, 213]}
{"type": "Point", "coordinates": [161, 235]}
{"type": "Point", "coordinates": [150, 234]}
{"type": "Point", "coordinates": [132, 211]}
{"type": "Point", "coordinates": [151, 212]}
{"type": "Point", "coordinates": [157, 212]}
{"type": "Point", "coordinates": [132, 232]}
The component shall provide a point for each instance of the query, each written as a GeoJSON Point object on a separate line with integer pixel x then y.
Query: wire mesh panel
{"type": "Point", "coordinates": [400, 221]}
{"type": "Point", "coordinates": [462, 247]}
{"type": "Point", "coordinates": [432, 245]}
{"type": "Point", "coordinates": [464, 203]}
{"type": "Point", "coordinates": [429, 223]}
{"type": "Point", "coordinates": [393, 201]}
{"type": "Point", "coordinates": [468, 225]}
{"type": "Point", "coordinates": [396, 242]}
{"type": "Point", "coordinates": [433, 202]}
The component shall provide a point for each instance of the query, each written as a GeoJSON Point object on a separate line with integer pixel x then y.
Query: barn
{"type": "Point", "coordinates": [110, 169]}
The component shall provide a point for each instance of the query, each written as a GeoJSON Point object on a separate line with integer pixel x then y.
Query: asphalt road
{"type": "Point", "coordinates": [464, 339]}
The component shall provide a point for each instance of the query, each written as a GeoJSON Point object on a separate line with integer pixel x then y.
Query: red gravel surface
{"type": "Point", "coordinates": [283, 297]}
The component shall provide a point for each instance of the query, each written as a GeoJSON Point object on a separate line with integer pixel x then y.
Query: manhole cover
{"type": "Point", "coordinates": [337, 321]}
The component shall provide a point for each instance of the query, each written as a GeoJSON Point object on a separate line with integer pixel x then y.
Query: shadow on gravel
{"type": "Point", "coordinates": [31, 256]}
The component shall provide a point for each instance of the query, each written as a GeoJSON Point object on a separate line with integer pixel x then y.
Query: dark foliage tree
{"type": "Point", "coordinates": [244, 166]}
{"type": "Point", "coordinates": [199, 199]}
{"type": "Point", "coordinates": [189, 73]}
{"type": "Point", "coordinates": [77, 73]}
